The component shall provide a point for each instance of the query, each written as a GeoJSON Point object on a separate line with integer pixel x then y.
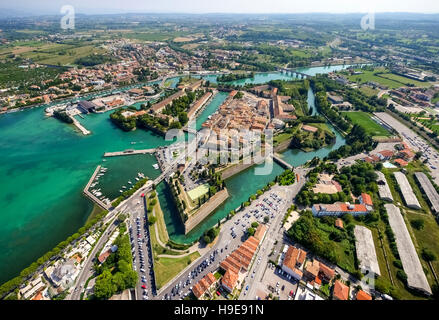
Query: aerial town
{"type": "Point", "coordinates": [211, 160]}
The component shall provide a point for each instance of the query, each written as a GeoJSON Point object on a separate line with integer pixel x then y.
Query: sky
{"type": "Point", "coordinates": [224, 6]}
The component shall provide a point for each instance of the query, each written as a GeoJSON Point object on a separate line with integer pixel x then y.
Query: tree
{"type": "Point", "coordinates": [428, 255]}
{"type": "Point", "coordinates": [104, 287]}
{"type": "Point", "coordinates": [266, 219]}
{"type": "Point", "coordinates": [251, 231]}
{"type": "Point", "coordinates": [418, 224]}
{"type": "Point", "coordinates": [152, 220]}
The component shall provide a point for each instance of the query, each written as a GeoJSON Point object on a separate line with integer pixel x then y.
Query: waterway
{"type": "Point", "coordinates": [45, 164]}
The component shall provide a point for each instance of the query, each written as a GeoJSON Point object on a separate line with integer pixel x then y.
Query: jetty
{"type": "Point", "coordinates": [81, 128]}
{"type": "Point", "coordinates": [92, 196]}
{"type": "Point", "coordinates": [129, 152]}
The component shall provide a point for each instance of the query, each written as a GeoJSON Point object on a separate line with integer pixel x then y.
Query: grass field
{"type": "Point", "coordinates": [198, 192]}
{"type": "Point", "coordinates": [364, 120]}
{"type": "Point", "coordinates": [167, 268]}
{"type": "Point", "coordinates": [383, 77]}
{"type": "Point", "coordinates": [368, 91]}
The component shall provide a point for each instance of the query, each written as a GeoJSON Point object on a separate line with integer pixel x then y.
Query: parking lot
{"type": "Point", "coordinates": [267, 207]}
{"type": "Point", "coordinates": [142, 255]}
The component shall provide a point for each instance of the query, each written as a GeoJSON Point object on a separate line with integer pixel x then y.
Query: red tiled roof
{"type": "Point", "coordinates": [327, 272]}
{"type": "Point", "coordinates": [230, 279]}
{"type": "Point", "coordinates": [294, 256]}
{"type": "Point", "coordinates": [401, 162]}
{"type": "Point", "coordinates": [203, 285]}
{"type": "Point", "coordinates": [367, 200]}
{"type": "Point", "coordinates": [341, 291]}
{"type": "Point", "coordinates": [339, 223]}
{"type": "Point", "coordinates": [361, 295]}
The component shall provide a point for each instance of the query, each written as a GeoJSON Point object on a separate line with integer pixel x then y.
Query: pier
{"type": "Point", "coordinates": [92, 196]}
{"type": "Point", "coordinates": [129, 152]}
{"type": "Point", "coordinates": [81, 128]}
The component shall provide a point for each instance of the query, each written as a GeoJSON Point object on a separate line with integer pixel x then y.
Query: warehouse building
{"type": "Point", "coordinates": [365, 247]}
{"type": "Point", "coordinates": [411, 264]}
{"type": "Point", "coordinates": [383, 187]}
{"type": "Point", "coordinates": [407, 192]}
{"type": "Point", "coordinates": [429, 190]}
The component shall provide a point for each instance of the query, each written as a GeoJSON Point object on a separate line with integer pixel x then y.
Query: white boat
{"type": "Point", "coordinates": [130, 182]}
{"type": "Point", "coordinates": [137, 179]}
{"type": "Point", "coordinates": [155, 166]}
{"type": "Point", "coordinates": [123, 187]}
{"type": "Point", "coordinates": [120, 191]}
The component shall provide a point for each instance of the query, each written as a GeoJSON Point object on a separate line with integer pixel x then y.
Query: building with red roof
{"type": "Point", "coordinates": [402, 163]}
{"type": "Point", "coordinates": [340, 291]}
{"type": "Point", "coordinates": [293, 261]}
{"type": "Point", "coordinates": [339, 224]}
{"type": "Point", "coordinates": [338, 209]}
{"type": "Point", "coordinates": [361, 295]}
{"type": "Point", "coordinates": [366, 199]}
{"type": "Point", "coordinates": [204, 285]}
{"type": "Point", "coordinates": [326, 273]}
{"type": "Point", "coordinates": [230, 280]}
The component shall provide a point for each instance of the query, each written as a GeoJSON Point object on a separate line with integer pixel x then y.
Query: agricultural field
{"type": "Point", "coordinates": [364, 120]}
{"type": "Point", "coordinates": [52, 53]}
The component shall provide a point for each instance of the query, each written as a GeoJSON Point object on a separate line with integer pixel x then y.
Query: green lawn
{"type": "Point", "coordinates": [167, 268]}
{"type": "Point", "coordinates": [364, 120]}
{"type": "Point", "coordinates": [368, 91]}
{"type": "Point", "coordinates": [384, 77]}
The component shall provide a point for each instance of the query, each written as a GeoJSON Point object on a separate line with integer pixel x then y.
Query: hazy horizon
{"type": "Point", "coordinates": [224, 7]}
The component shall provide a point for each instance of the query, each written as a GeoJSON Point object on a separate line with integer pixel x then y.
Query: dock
{"type": "Point", "coordinates": [81, 128]}
{"type": "Point", "coordinates": [92, 196]}
{"type": "Point", "coordinates": [129, 152]}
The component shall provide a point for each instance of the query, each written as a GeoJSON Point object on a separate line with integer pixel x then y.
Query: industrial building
{"type": "Point", "coordinates": [411, 264]}
{"type": "Point", "coordinates": [407, 192]}
{"type": "Point", "coordinates": [383, 187]}
{"type": "Point", "coordinates": [366, 254]}
{"type": "Point", "coordinates": [429, 190]}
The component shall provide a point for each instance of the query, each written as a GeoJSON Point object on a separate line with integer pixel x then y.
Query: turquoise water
{"type": "Point", "coordinates": [45, 164]}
